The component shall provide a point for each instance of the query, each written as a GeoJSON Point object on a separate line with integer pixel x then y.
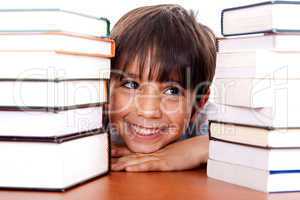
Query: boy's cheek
{"type": "Point", "coordinates": [119, 101]}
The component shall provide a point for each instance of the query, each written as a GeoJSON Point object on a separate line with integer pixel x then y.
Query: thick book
{"type": "Point", "coordinates": [257, 179]}
{"type": "Point", "coordinates": [56, 164]}
{"type": "Point", "coordinates": [255, 136]}
{"type": "Point", "coordinates": [59, 42]}
{"type": "Point", "coordinates": [52, 65]}
{"type": "Point", "coordinates": [277, 42]}
{"type": "Point", "coordinates": [53, 94]}
{"type": "Point", "coordinates": [54, 19]}
{"type": "Point", "coordinates": [43, 124]}
{"type": "Point", "coordinates": [258, 64]}
{"type": "Point", "coordinates": [260, 158]}
{"type": "Point", "coordinates": [268, 118]}
{"type": "Point", "coordinates": [282, 95]}
{"type": "Point", "coordinates": [272, 16]}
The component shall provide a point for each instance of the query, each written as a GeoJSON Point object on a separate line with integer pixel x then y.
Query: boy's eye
{"type": "Point", "coordinates": [130, 84]}
{"type": "Point", "coordinates": [173, 91]}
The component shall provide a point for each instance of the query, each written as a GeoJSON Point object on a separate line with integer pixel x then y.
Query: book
{"type": "Point", "coordinates": [279, 94]}
{"type": "Point", "coordinates": [58, 42]}
{"type": "Point", "coordinates": [54, 165]}
{"type": "Point", "coordinates": [257, 179]}
{"type": "Point", "coordinates": [265, 17]}
{"type": "Point", "coordinates": [52, 65]}
{"type": "Point", "coordinates": [258, 64]}
{"type": "Point", "coordinates": [278, 42]}
{"type": "Point", "coordinates": [52, 20]}
{"type": "Point", "coordinates": [43, 124]}
{"type": "Point", "coordinates": [53, 94]}
{"type": "Point", "coordinates": [270, 159]}
{"type": "Point", "coordinates": [266, 117]}
{"type": "Point", "coordinates": [255, 136]}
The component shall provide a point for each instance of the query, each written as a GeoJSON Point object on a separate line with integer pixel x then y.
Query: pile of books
{"type": "Point", "coordinates": [254, 123]}
{"type": "Point", "coordinates": [54, 82]}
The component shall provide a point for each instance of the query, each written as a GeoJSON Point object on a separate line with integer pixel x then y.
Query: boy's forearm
{"type": "Point", "coordinates": [181, 155]}
{"type": "Point", "coordinates": [195, 150]}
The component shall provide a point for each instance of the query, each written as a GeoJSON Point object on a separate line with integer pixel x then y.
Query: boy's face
{"type": "Point", "coordinates": [147, 114]}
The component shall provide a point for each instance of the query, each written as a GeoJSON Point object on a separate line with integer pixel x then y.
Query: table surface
{"type": "Point", "coordinates": [155, 185]}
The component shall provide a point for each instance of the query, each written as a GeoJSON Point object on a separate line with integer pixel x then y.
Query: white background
{"type": "Point", "coordinates": [208, 10]}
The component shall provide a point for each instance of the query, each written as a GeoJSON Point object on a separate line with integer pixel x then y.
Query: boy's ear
{"type": "Point", "coordinates": [200, 105]}
{"type": "Point", "coordinates": [204, 99]}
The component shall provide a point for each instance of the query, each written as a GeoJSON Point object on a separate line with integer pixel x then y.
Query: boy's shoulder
{"type": "Point", "coordinates": [200, 127]}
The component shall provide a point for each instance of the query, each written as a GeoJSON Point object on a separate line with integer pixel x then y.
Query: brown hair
{"type": "Point", "coordinates": [174, 41]}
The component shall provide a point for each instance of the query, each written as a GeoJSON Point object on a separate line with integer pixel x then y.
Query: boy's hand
{"type": "Point", "coordinates": [182, 155]}
{"type": "Point", "coordinates": [119, 151]}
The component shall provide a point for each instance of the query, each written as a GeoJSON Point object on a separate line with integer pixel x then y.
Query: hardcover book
{"type": "Point", "coordinates": [265, 137]}
{"type": "Point", "coordinates": [266, 17]}
{"type": "Point", "coordinates": [52, 65]}
{"type": "Point", "coordinates": [271, 159]}
{"type": "Point", "coordinates": [257, 179]}
{"type": "Point", "coordinates": [52, 94]}
{"type": "Point", "coordinates": [55, 164]}
{"type": "Point", "coordinates": [52, 20]}
{"type": "Point", "coordinates": [267, 118]}
{"type": "Point", "coordinates": [279, 94]}
{"type": "Point", "coordinates": [58, 42]}
{"type": "Point", "coordinates": [258, 64]}
{"type": "Point", "coordinates": [278, 42]}
{"type": "Point", "coordinates": [43, 124]}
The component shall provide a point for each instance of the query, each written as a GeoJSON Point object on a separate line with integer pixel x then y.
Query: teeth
{"type": "Point", "coordinates": [144, 131]}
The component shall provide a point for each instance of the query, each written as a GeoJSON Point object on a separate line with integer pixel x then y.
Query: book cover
{"type": "Point", "coordinates": [61, 164]}
{"type": "Point", "coordinates": [261, 18]}
{"type": "Point", "coordinates": [53, 20]}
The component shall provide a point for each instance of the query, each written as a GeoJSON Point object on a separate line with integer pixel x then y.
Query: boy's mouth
{"type": "Point", "coordinates": [144, 132]}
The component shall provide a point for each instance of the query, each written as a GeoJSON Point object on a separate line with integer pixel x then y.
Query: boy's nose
{"type": "Point", "coordinates": [148, 105]}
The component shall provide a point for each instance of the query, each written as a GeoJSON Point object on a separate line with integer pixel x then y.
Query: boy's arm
{"type": "Point", "coordinates": [181, 155]}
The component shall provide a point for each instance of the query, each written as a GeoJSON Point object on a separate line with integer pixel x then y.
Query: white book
{"type": "Point", "coordinates": [49, 124]}
{"type": "Point", "coordinates": [53, 165]}
{"type": "Point", "coordinates": [279, 94]}
{"type": "Point", "coordinates": [257, 179]}
{"type": "Point", "coordinates": [271, 16]}
{"type": "Point", "coordinates": [259, 117]}
{"type": "Point", "coordinates": [278, 42]}
{"type": "Point", "coordinates": [263, 137]}
{"type": "Point", "coordinates": [258, 64]}
{"type": "Point", "coordinates": [26, 94]}
{"type": "Point", "coordinates": [52, 65]}
{"type": "Point", "coordinates": [58, 42]}
{"type": "Point", "coordinates": [259, 158]}
{"type": "Point", "coordinates": [49, 20]}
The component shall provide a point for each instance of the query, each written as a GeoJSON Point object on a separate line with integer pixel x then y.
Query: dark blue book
{"type": "Point", "coordinates": [52, 20]}
{"type": "Point", "coordinates": [266, 17]}
{"type": "Point", "coordinates": [257, 179]}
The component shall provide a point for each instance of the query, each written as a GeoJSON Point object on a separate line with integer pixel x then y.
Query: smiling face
{"type": "Point", "coordinates": [158, 49]}
{"type": "Point", "coordinates": [148, 114]}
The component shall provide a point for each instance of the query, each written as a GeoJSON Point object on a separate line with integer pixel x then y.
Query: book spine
{"type": "Point", "coordinates": [107, 25]}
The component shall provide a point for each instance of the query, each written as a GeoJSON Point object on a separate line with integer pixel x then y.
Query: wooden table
{"type": "Point", "coordinates": [185, 185]}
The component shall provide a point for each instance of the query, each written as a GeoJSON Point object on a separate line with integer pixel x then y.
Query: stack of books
{"type": "Point", "coordinates": [254, 123]}
{"type": "Point", "coordinates": [54, 83]}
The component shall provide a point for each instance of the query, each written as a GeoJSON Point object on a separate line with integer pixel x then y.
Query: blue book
{"type": "Point", "coordinates": [257, 179]}
{"type": "Point", "coordinates": [52, 20]}
{"type": "Point", "coordinates": [266, 17]}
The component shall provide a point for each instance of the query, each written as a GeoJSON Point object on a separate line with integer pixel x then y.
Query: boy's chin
{"type": "Point", "coordinates": [143, 148]}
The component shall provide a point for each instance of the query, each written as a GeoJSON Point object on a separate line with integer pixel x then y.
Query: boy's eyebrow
{"type": "Point", "coordinates": [131, 75]}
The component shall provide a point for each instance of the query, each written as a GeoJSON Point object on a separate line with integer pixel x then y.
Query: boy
{"type": "Point", "coordinates": [164, 64]}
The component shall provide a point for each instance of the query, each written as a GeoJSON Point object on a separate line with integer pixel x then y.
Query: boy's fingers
{"type": "Point", "coordinates": [131, 160]}
{"type": "Point", "coordinates": [120, 151]}
{"type": "Point", "coordinates": [153, 165]}
{"type": "Point", "coordinates": [118, 166]}
{"type": "Point", "coordinates": [136, 159]}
